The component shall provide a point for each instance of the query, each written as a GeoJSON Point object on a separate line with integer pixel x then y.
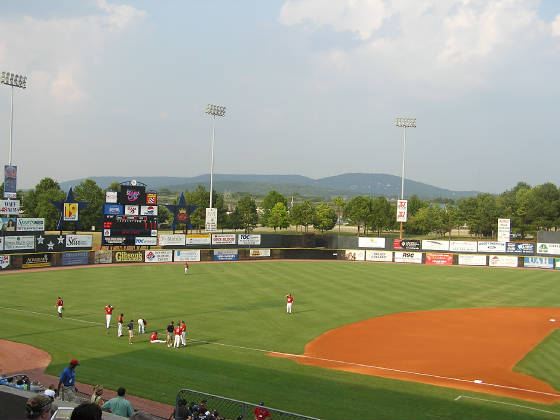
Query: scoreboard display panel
{"type": "Point", "coordinates": [134, 215]}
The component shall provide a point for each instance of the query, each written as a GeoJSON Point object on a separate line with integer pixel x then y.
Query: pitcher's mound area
{"type": "Point", "coordinates": [473, 349]}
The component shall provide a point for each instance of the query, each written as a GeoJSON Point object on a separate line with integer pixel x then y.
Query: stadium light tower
{"type": "Point", "coordinates": [12, 80]}
{"type": "Point", "coordinates": [214, 111]}
{"type": "Point", "coordinates": [404, 123]}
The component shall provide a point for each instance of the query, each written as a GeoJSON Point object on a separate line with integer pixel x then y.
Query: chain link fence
{"type": "Point", "coordinates": [229, 408]}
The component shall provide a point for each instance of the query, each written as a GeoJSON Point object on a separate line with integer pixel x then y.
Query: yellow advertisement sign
{"type": "Point", "coordinates": [70, 212]}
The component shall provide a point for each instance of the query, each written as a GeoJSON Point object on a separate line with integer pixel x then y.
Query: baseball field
{"type": "Point", "coordinates": [375, 336]}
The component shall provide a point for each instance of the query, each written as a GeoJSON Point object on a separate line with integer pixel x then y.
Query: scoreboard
{"type": "Point", "coordinates": [130, 216]}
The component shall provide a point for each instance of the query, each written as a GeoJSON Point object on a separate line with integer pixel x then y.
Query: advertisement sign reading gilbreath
{"type": "Point", "coordinates": [188, 255]}
{"type": "Point", "coordinates": [408, 257]}
{"type": "Point", "coordinates": [463, 246]}
{"type": "Point", "coordinates": [491, 247]}
{"type": "Point", "coordinates": [364, 242]}
{"type": "Point", "coordinates": [223, 239]}
{"type": "Point", "coordinates": [15, 243]}
{"type": "Point", "coordinates": [25, 224]}
{"type": "Point", "coordinates": [355, 254]}
{"type": "Point", "coordinates": [9, 207]}
{"type": "Point", "coordinates": [128, 256]}
{"type": "Point", "coordinates": [259, 252]}
{"type": "Point", "coordinates": [437, 258]}
{"type": "Point", "coordinates": [158, 256]}
{"type": "Point", "coordinates": [245, 239]}
{"type": "Point", "coordinates": [379, 256]}
{"type": "Point", "coordinates": [435, 245]}
{"type": "Point", "coordinates": [172, 240]}
{"type": "Point", "coordinates": [200, 239]}
{"type": "Point", "coordinates": [78, 241]}
{"type": "Point", "coordinates": [502, 261]}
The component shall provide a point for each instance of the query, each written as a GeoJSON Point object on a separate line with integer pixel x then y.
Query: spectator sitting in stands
{"type": "Point", "coordinates": [86, 411]}
{"type": "Point", "coordinates": [38, 407]}
{"type": "Point", "coordinates": [180, 412]}
{"type": "Point", "coordinates": [96, 395]}
{"type": "Point", "coordinates": [119, 405]}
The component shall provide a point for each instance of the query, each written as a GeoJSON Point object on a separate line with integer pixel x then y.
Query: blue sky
{"type": "Point", "coordinates": [311, 88]}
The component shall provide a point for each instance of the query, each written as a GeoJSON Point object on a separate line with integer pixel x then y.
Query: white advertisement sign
{"type": "Point", "coordinates": [30, 224]}
{"type": "Point", "coordinates": [538, 262]}
{"type": "Point", "coordinates": [188, 255]}
{"type": "Point", "coordinates": [259, 252]}
{"type": "Point", "coordinates": [472, 259]}
{"type": "Point", "coordinates": [355, 255]}
{"type": "Point", "coordinates": [491, 247]}
{"type": "Point", "coordinates": [1, 243]}
{"type": "Point", "coordinates": [198, 239]}
{"type": "Point", "coordinates": [111, 197]}
{"type": "Point", "coordinates": [548, 248]}
{"type": "Point", "coordinates": [245, 239]}
{"type": "Point", "coordinates": [4, 261]}
{"type": "Point", "coordinates": [504, 227]}
{"type": "Point", "coordinates": [435, 245]}
{"type": "Point", "coordinates": [172, 240]}
{"type": "Point", "coordinates": [402, 206]}
{"type": "Point", "coordinates": [408, 257]}
{"type": "Point", "coordinates": [502, 261]}
{"type": "Point", "coordinates": [463, 246]}
{"type": "Point", "coordinates": [145, 241]}
{"type": "Point", "coordinates": [223, 239]}
{"type": "Point", "coordinates": [158, 256]}
{"type": "Point", "coordinates": [78, 241]}
{"type": "Point", "coordinates": [364, 242]}
{"type": "Point", "coordinates": [211, 220]}
{"type": "Point", "coordinates": [380, 256]}
{"type": "Point", "coordinates": [9, 207]}
{"type": "Point", "coordinates": [14, 243]}
{"type": "Point", "coordinates": [148, 210]}
{"type": "Point", "coordinates": [131, 210]}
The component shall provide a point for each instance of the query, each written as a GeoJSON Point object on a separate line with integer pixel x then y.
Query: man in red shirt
{"type": "Point", "coordinates": [59, 306]}
{"type": "Point", "coordinates": [260, 412]}
{"type": "Point", "coordinates": [289, 301]}
{"type": "Point", "coordinates": [154, 338]}
{"type": "Point", "coordinates": [120, 323]}
{"type": "Point", "coordinates": [177, 341]}
{"type": "Point", "coordinates": [186, 267]}
{"type": "Point", "coordinates": [183, 333]}
{"type": "Point", "coordinates": [108, 313]}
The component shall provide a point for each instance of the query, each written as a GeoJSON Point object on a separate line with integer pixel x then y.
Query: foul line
{"type": "Point", "coordinates": [342, 362]}
{"type": "Point", "coordinates": [505, 403]}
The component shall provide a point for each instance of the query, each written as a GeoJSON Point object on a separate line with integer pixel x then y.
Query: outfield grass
{"type": "Point", "coordinates": [243, 304]}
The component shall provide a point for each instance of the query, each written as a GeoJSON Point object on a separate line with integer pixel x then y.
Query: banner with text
{"type": "Point", "coordinates": [463, 246]}
{"type": "Point", "coordinates": [128, 256]}
{"type": "Point", "coordinates": [520, 248]}
{"type": "Point", "coordinates": [16, 243]}
{"type": "Point", "coordinates": [75, 258]}
{"type": "Point", "coordinates": [145, 241]}
{"type": "Point", "coordinates": [4, 262]}
{"type": "Point", "coordinates": [8, 207]}
{"type": "Point", "coordinates": [79, 241]}
{"type": "Point", "coordinates": [504, 226]}
{"type": "Point", "coordinates": [548, 248]}
{"type": "Point", "coordinates": [491, 247]}
{"type": "Point", "coordinates": [36, 261]}
{"type": "Point", "coordinates": [408, 257]}
{"type": "Point", "coordinates": [198, 239]}
{"type": "Point", "coordinates": [472, 259]}
{"type": "Point", "coordinates": [158, 256]}
{"type": "Point", "coordinates": [407, 244]}
{"type": "Point", "coordinates": [402, 210]}
{"type": "Point", "coordinates": [172, 240]}
{"type": "Point", "coordinates": [379, 256]}
{"type": "Point", "coordinates": [28, 224]}
{"type": "Point", "coordinates": [355, 255]}
{"type": "Point", "coordinates": [434, 258]}
{"type": "Point", "coordinates": [259, 252]}
{"type": "Point", "coordinates": [245, 239]}
{"type": "Point", "coordinates": [502, 261]}
{"type": "Point", "coordinates": [538, 262]}
{"type": "Point", "coordinates": [190, 255]}
{"type": "Point", "coordinates": [225, 255]}
{"type": "Point", "coordinates": [103, 257]}
{"type": "Point", "coordinates": [364, 242]}
{"type": "Point", "coordinates": [10, 181]}
{"type": "Point", "coordinates": [223, 239]}
{"type": "Point", "coordinates": [435, 245]}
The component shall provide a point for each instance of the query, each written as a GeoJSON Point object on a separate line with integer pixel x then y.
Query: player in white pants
{"type": "Point", "coordinates": [289, 301]}
{"type": "Point", "coordinates": [141, 326]}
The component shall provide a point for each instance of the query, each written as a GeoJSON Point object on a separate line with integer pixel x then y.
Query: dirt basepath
{"type": "Point", "coordinates": [21, 358]}
{"type": "Point", "coordinates": [451, 348]}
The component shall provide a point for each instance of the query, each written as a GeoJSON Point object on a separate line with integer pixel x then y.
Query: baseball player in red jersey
{"type": "Point", "coordinates": [177, 341]}
{"type": "Point", "coordinates": [59, 306]}
{"type": "Point", "coordinates": [289, 301]}
{"type": "Point", "coordinates": [108, 313]}
{"type": "Point", "coordinates": [183, 333]}
{"type": "Point", "coordinates": [186, 267]}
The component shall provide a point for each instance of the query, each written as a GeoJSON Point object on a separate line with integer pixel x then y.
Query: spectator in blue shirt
{"type": "Point", "coordinates": [67, 380]}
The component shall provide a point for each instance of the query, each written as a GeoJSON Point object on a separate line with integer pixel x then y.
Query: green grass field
{"type": "Point", "coordinates": [242, 306]}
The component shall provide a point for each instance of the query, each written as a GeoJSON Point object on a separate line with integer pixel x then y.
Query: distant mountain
{"type": "Point", "coordinates": [346, 185]}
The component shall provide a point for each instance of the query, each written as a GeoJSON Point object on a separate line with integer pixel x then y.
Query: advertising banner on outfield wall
{"type": "Point", "coordinates": [518, 248]}
{"type": "Point", "coordinates": [190, 255]}
{"type": "Point", "coordinates": [502, 261]}
{"type": "Point", "coordinates": [463, 246]}
{"type": "Point", "coordinates": [78, 241]}
{"type": "Point", "coordinates": [435, 245]}
{"type": "Point", "coordinates": [8, 207]}
{"type": "Point", "coordinates": [4, 262]}
{"type": "Point", "coordinates": [364, 242]}
{"type": "Point", "coordinates": [472, 259]}
{"type": "Point", "coordinates": [408, 257]}
{"type": "Point", "coordinates": [103, 257]}
{"type": "Point", "coordinates": [145, 240]}
{"type": "Point", "coordinates": [8, 224]}
{"type": "Point", "coordinates": [379, 256]}
{"type": "Point", "coordinates": [172, 240]}
{"type": "Point", "coordinates": [17, 243]}
{"type": "Point", "coordinates": [548, 248]}
{"type": "Point", "coordinates": [223, 239]}
{"type": "Point", "coordinates": [200, 239]}
{"type": "Point", "coordinates": [245, 239]}
{"type": "Point", "coordinates": [128, 256]}
{"type": "Point", "coordinates": [407, 244]}
{"type": "Point", "coordinates": [36, 261]}
{"type": "Point", "coordinates": [259, 252]}
{"type": "Point", "coordinates": [28, 224]}
{"type": "Point", "coordinates": [538, 262]}
{"type": "Point", "coordinates": [557, 263]}
{"type": "Point", "coordinates": [491, 247]}
{"type": "Point", "coordinates": [75, 258]}
{"type": "Point", "coordinates": [1, 243]}
{"type": "Point", "coordinates": [438, 258]}
{"type": "Point", "coordinates": [225, 255]}
{"type": "Point", "coordinates": [158, 256]}
{"type": "Point", "coordinates": [355, 255]}
{"type": "Point", "coordinates": [504, 228]}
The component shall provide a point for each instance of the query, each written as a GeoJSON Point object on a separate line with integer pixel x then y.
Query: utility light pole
{"type": "Point", "coordinates": [404, 123]}
{"type": "Point", "coordinates": [214, 111]}
{"type": "Point", "coordinates": [12, 80]}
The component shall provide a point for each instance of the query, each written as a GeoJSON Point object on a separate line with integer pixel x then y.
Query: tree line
{"type": "Point", "coordinates": [529, 208]}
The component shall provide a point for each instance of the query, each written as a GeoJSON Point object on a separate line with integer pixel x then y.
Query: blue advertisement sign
{"type": "Point", "coordinates": [113, 209]}
{"type": "Point", "coordinates": [225, 255]}
{"type": "Point", "coordinates": [518, 248]}
{"type": "Point", "coordinates": [538, 262]}
{"type": "Point", "coordinates": [10, 180]}
{"type": "Point", "coordinates": [75, 258]}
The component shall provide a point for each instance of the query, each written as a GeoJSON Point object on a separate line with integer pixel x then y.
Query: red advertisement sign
{"type": "Point", "coordinates": [439, 259]}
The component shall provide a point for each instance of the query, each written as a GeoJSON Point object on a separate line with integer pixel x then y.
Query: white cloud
{"type": "Point", "coordinates": [555, 26]}
{"type": "Point", "coordinates": [57, 53]}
